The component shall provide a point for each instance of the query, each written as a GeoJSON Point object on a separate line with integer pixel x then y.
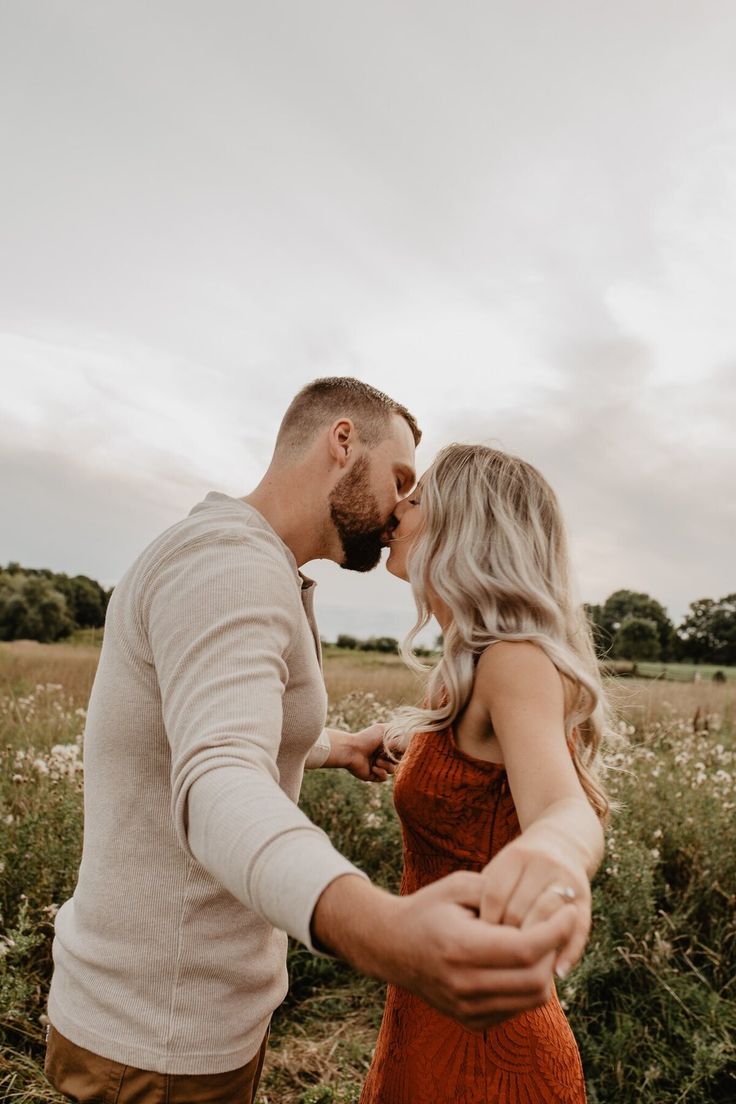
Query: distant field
{"type": "Point", "coordinates": [684, 672]}
{"type": "Point", "coordinates": [345, 669]}
{"type": "Point", "coordinates": [384, 675]}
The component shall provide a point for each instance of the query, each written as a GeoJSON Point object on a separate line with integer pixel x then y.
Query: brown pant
{"type": "Point", "coordinates": [90, 1079]}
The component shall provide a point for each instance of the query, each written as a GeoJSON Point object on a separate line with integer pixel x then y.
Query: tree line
{"type": "Point", "coordinates": [38, 604]}
{"type": "Point", "coordinates": [634, 626]}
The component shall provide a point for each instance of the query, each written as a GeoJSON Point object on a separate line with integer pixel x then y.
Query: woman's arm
{"type": "Point", "coordinates": [562, 842]}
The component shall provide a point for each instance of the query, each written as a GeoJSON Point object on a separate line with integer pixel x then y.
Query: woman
{"type": "Point", "coordinates": [500, 764]}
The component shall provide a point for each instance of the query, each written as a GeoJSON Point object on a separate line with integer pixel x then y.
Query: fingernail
{"type": "Point", "coordinates": [562, 972]}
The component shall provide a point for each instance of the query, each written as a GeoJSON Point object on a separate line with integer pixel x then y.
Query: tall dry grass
{"type": "Point", "coordinates": [26, 663]}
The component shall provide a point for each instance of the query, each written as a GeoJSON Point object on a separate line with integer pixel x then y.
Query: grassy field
{"type": "Point", "coordinates": [653, 1004]}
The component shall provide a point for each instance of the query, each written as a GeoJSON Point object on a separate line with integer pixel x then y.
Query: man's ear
{"type": "Point", "coordinates": [341, 439]}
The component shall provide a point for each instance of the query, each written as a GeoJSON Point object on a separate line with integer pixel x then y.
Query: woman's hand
{"type": "Point", "coordinates": [362, 753]}
{"type": "Point", "coordinates": [528, 881]}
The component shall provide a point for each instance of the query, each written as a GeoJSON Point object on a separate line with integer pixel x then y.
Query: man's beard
{"type": "Point", "coordinates": [355, 515]}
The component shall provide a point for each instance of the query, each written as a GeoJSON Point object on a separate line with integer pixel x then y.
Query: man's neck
{"type": "Point", "coordinates": [296, 518]}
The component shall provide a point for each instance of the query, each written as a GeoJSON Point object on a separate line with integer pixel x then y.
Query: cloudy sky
{"type": "Point", "coordinates": [519, 218]}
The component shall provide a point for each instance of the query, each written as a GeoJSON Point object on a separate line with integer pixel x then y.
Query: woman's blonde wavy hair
{"type": "Point", "coordinates": [493, 548]}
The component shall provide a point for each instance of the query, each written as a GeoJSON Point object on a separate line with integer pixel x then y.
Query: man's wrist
{"type": "Point", "coordinates": [341, 750]}
{"type": "Point", "coordinates": [356, 920]}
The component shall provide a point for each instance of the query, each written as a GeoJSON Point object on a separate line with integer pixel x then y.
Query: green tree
{"type": "Point", "coordinates": [345, 641]}
{"type": "Point", "coordinates": [13, 607]}
{"type": "Point", "coordinates": [387, 644]}
{"type": "Point", "coordinates": [708, 631]}
{"type": "Point", "coordinates": [86, 599]}
{"type": "Point", "coordinates": [636, 638]}
{"type": "Point", "coordinates": [32, 608]}
{"type": "Point", "coordinates": [623, 604]}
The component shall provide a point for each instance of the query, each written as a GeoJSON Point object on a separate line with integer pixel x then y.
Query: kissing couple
{"type": "Point", "coordinates": [208, 705]}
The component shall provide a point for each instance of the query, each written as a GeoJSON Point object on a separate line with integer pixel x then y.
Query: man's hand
{"type": "Point", "coordinates": [362, 753]}
{"type": "Point", "coordinates": [433, 943]}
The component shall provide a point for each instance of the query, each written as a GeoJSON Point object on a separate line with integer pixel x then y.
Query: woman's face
{"type": "Point", "coordinates": [409, 515]}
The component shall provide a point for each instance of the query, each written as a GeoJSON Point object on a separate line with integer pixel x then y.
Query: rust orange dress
{"type": "Point", "coordinates": [456, 812]}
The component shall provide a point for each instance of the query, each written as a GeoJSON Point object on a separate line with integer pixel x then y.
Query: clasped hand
{"type": "Point", "coordinates": [363, 754]}
{"type": "Point", "coordinates": [527, 882]}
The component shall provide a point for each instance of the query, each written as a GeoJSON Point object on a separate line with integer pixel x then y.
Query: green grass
{"type": "Point", "coordinates": [684, 672]}
{"type": "Point", "coordinates": [653, 1003]}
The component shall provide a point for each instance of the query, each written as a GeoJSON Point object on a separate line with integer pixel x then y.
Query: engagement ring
{"type": "Point", "coordinates": [564, 891]}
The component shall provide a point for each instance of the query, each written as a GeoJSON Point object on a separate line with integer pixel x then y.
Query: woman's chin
{"type": "Point", "coordinates": [396, 568]}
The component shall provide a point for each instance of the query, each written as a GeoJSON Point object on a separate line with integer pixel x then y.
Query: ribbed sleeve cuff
{"type": "Point", "coordinates": [250, 836]}
{"type": "Point", "coordinates": [286, 891]}
{"type": "Point", "coordinates": [319, 751]}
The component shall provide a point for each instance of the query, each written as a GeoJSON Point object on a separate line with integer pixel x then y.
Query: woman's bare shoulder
{"type": "Point", "coordinates": [515, 666]}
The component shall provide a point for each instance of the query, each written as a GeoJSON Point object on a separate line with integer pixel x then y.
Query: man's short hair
{"type": "Point", "coordinates": [323, 401]}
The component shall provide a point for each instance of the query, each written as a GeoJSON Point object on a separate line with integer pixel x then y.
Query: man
{"type": "Point", "coordinates": [208, 703]}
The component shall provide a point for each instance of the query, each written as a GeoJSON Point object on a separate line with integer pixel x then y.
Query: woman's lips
{"type": "Point", "coordinates": [388, 533]}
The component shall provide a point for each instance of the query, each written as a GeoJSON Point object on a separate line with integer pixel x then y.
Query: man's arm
{"type": "Point", "coordinates": [220, 615]}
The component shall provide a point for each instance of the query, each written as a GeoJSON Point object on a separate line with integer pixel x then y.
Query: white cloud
{"type": "Point", "coordinates": [119, 410]}
{"type": "Point", "coordinates": [684, 309]}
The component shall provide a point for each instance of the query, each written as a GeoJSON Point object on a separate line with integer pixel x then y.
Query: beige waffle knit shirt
{"type": "Point", "coordinates": [208, 702]}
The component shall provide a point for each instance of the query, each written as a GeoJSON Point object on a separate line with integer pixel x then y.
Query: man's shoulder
{"type": "Point", "coordinates": [215, 524]}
